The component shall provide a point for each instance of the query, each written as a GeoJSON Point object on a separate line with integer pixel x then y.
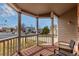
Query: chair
{"type": "Point", "coordinates": [66, 52]}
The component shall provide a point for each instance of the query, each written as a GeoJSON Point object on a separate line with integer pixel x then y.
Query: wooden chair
{"type": "Point", "coordinates": [66, 52]}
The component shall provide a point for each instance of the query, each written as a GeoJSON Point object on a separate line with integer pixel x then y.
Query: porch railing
{"type": "Point", "coordinates": [45, 39]}
{"type": "Point", "coordinates": [9, 46]}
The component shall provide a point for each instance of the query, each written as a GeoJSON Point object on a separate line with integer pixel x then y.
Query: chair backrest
{"type": "Point", "coordinates": [72, 43]}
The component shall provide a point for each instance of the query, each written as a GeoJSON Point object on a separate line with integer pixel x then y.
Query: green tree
{"type": "Point", "coordinates": [45, 30]}
{"type": "Point", "coordinates": [29, 30]}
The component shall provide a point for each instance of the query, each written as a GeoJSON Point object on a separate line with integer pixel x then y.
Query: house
{"type": "Point", "coordinates": [1, 29]}
{"type": "Point", "coordinates": [6, 29]}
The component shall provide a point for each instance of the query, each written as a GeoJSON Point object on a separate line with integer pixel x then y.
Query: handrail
{"type": "Point", "coordinates": [5, 39]}
{"type": "Point", "coordinates": [29, 35]}
{"type": "Point", "coordinates": [9, 38]}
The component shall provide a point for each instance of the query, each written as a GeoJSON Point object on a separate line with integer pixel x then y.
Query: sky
{"type": "Point", "coordinates": [9, 18]}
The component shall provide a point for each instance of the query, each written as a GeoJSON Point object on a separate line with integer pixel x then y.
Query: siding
{"type": "Point", "coordinates": [67, 32]}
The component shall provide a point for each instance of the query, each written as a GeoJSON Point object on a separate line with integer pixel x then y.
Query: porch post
{"type": "Point", "coordinates": [37, 30]}
{"type": "Point", "coordinates": [52, 27]}
{"type": "Point", "coordinates": [77, 43]}
{"type": "Point", "coordinates": [19, 31]}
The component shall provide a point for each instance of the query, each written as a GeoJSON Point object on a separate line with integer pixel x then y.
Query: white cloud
{"type": "Point", "coordinates": [6, 11]}
{"type": "Point", "coordinates": [10, 10]}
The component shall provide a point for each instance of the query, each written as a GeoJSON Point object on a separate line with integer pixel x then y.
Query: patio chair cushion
{"type": "Point", "coordinates": [67, 47]}
{"type": "Point", "coordinates": [64, 47]}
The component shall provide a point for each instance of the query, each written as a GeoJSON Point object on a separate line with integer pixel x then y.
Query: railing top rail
{"type": "Point", "coordinates": [36, 35]}
{"type": "Point", "coordinates": [9, 38]}
{"type": "Point", "coordinates": [29, 35]}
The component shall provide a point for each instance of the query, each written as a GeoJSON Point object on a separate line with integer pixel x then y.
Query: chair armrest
{"type": "Point", "coordinates": [63, 43]}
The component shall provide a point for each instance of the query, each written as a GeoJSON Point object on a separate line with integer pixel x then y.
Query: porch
{"type": "Point", "coordinates": [43, 45]}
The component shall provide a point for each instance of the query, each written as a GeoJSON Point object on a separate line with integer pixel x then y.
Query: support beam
{"type": "Point", "coordinates": [37, 30]}
{"type": "Point", "coordinates": [19, 31]}
{"type": "Point", "coordinates": [52, 27]}
{"type": "Point", "coordinates": [14, 7]}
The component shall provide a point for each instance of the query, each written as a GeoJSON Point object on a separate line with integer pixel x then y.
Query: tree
{"type": "Point", "coordinates": [29, 30]}
{"type": "Point", "coordinates": [45, 30]}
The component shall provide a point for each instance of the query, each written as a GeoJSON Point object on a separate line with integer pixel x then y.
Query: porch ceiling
{"type": "Point", "coordinates": [44, 9]}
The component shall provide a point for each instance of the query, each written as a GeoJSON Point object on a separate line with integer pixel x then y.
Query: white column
{"type": "Point", "coordinates": [19, 30]}
{"type": "Point", "coordinates": [52, 26]}
{"type": "Point", "coordinates": [37, 30]}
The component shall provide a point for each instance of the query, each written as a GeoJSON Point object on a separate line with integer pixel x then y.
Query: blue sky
{"type": "Point", "coordinates": [31, 21]}
{"type": "Point", "coordinates": [9, 17]}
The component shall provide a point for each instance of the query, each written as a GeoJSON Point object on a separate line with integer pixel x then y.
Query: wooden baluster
{"type": "Point", "coordinates": [46, 39]}
{"type": "Point", "coordinates": [8, 47]}
{"type": "Point", "coordinates": [21, 43]}
{"type": "Point", "coordinates": [36, 39]}
{"type": "Point", "coordinates": [49, 39]}
{"type": "Point", "coordinates": [25, 41]}
{"type": "Point", "coordinates": [16, 44]}
{"type": "Point", "coordinates": [13, 45]}
{"type": "Point", "coordinates": [3, 48]}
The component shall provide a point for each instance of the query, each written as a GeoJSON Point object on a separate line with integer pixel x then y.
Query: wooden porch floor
{"type": "Point", "coordinates": [37, 51]}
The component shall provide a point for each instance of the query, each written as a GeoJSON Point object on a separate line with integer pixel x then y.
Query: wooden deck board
{"type": "Point", "coordinates": [37, 50]}
{"type": "Point", "coordinates": [43, 52]}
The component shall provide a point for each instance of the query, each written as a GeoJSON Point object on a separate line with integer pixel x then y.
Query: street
{"type": "Point", "coordinates": [9, 34]}
{"type": "Point", "coordinates": [6, 35]}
